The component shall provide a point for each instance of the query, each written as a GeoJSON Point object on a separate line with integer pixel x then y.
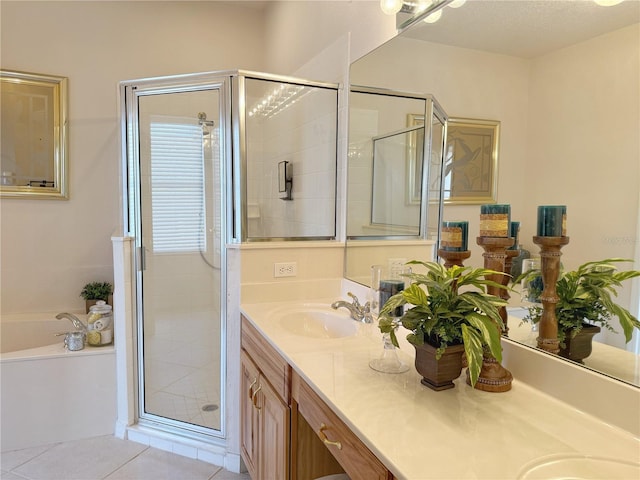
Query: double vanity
{"type": "Point", "coordinates": [311, 406]}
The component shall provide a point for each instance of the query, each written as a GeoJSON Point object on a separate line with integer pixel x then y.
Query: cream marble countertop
{"type": "Point", "coordinates": [461, 433]}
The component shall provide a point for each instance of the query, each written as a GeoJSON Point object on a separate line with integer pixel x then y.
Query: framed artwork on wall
{"type": "Point", "coordinates": [471, 161]}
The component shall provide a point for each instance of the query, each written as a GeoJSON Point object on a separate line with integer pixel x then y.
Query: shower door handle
{"type": "Point", "coordinates": [142, 263]}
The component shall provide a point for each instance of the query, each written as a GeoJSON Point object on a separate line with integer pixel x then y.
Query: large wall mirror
{"type": "Point", "coordinates": [562, 79]}
{"type": "Point", "coordinates": [389, 145]}
{"type": "Point", "coordinates": [33, 122]}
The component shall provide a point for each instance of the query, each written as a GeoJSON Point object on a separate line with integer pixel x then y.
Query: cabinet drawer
{"type": "Point", "coordinates": [356, 459]}
{"type": "Point", "coordinates": [274, 368]}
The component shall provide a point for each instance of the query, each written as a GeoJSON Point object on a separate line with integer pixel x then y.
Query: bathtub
{"type": "Point", "coordinates": [47, 393]}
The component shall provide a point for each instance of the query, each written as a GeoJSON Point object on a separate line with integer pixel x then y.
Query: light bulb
{"type": "Point", "coordinates": [456, 3]}
{"type": "Point", "coordinates": [421, 6]}
{"type": "Point", "coordinates": [434, 17]}
{"type": "Point", "coordinates": [390, 7]}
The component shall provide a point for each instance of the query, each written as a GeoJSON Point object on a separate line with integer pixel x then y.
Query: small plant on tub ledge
{"type": "Point", "coordinates": [452, 313]}
{"type": "Point", "coordinates": [586, 304]}
{"type": "Point", "coordinates": [94, 291]}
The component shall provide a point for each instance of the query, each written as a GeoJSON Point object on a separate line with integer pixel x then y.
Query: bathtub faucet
{"type": "Point", "coordinates": [73, 319]}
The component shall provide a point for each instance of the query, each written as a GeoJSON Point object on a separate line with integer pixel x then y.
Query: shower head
{"type": "Point", "coordinates": [204, 123]}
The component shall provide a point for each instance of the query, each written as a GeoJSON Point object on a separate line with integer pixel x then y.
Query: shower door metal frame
{"type": "Point", "coordinates": [132, 221]}
{"type": "Point", "coordinates": [239, 228]}
{"type": "Point", "coordinates": [433, 109]}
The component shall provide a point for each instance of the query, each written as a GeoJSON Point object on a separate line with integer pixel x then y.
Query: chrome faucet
{"type": "Point", "coordinates": [73, 319]}
{"type": "Point", "coordinates": [358, 312]}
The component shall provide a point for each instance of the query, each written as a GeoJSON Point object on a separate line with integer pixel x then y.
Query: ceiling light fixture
{"type": "Point", "coordinates": [607, 3]}
{"type": "Point", "coordinates": [456, 3]}
{"type": "Point", "coordinates": [434, 17]}
{"type": "Point", "coordinates": [390, 7]}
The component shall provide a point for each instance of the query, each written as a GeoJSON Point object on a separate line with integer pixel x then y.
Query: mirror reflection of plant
{"type": "Point", "coordinates": [586, 295]}
{"type": "Point", "coordinates": [450, 307]}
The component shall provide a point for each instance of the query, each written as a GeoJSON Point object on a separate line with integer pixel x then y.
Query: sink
{"type": "Point", "coordinates": [318, 322]}
{"type": "Point", "coordinates": [580, 467]}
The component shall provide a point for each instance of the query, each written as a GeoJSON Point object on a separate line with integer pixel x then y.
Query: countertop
{"type": "Point", "coordinates": [422, 434]}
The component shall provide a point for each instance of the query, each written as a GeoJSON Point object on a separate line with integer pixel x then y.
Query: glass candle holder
{"type": "Point", "coordinates": [494, 220]}
{"type": "Point", "coordinates": [384, 284]}
{"type": "Point", "coordinates": [552, 221]}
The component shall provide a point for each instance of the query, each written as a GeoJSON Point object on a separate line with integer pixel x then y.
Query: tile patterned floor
{"type": "Point", "coordinates": [106, 458]}
{"type": "Point", "coordinates": [182, 369]}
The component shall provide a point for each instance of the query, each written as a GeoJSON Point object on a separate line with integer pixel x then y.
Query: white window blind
{"type": "Point", "coordinates": [177, 185]}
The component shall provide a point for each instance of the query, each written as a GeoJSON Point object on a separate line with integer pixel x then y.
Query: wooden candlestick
{"type": "Point", "coordinates": [494, 259]}
{"type": "Point", "coordinates": [452, 258]}
{"type": "Point", "coordinates": [548, 326]}
{"type": "Point", "coordinates": [493, 376]}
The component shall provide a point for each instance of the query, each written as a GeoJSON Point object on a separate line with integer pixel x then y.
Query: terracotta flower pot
{"type": "Point", "coordinates": [439, 374]}
{"type": "Point", "coordinates": [579, 347]}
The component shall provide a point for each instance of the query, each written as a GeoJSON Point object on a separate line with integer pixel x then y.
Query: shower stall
{"type": "Point", "coordinates": [205, 158]}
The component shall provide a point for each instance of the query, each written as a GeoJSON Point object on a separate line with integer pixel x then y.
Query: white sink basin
{"type": "Point", "coordinates": [580, 467]}
{"type": "Point", "coordinates": [318, 322]}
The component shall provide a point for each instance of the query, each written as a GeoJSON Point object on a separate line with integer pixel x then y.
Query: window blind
{"type": "Point", "coordinates": [177, 186]}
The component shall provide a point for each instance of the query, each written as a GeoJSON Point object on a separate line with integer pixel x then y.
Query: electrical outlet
{"type": "Point", "coordinates": [397, 265]}
{"type": "Point", "coordinates": [285, 269]}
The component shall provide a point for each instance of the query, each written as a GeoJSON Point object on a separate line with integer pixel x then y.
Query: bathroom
{"type": "Point", "coordinates": [128, 40]}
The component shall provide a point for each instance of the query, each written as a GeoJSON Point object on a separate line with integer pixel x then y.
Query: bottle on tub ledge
{"type": "Point", "coordinates": [100, 324]}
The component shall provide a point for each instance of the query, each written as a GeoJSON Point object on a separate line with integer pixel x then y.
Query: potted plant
{"type": "Point", "coordinates": [451, 313]}
{"type": "Point", "coordinates": [94, 291]}
{"type": "Point", "coordinates": [586, 304]}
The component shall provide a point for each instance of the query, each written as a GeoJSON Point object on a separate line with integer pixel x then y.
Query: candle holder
{"type": "Point", "coordinates": [548, 326]}
{"type": "Point", "coordinates": [452, 258]}
{"type": "Point", "coordinates": [495, 254]}
{"type": "Point", "coordinates": [493, 376]}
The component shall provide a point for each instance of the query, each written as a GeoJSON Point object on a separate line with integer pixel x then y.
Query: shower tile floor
{"type": "Point", "coordinates": [106, 458]}
{"type": "Point", "coordinates": [182, 368]}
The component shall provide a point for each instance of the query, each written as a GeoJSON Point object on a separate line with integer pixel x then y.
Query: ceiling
{"type": "Point", "coordinates": [525, 28]}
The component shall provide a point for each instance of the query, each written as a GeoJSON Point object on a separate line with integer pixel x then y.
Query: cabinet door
{"type": "Point", "coordinates": [274, 434]}
{"type": "Point", "coordinates": [249, 414]}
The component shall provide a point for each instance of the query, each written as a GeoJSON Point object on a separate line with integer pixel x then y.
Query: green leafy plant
{"type": "Point", "coordinates": [586, 295]}
{"type": "Point", "coordinates": [451, 306]}
{"type": "Point", "coordinates": [97, 291]}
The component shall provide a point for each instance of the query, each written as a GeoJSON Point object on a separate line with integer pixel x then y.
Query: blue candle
{"type": "Point", "coordinates": [514, 232]}
{"type": "Point", "coordinates": [455, 236]}
{"type": "Point", "coordinates": [552, 221]}
{"type": "Point", "coordinates": [494, 220]}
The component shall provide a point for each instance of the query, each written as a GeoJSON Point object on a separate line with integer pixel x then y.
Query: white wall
{"type": "Point", "coordinates": [569, 132]}
{"type": "Point", "coordinates": [587, 155]}
{"type": "Point", "coordinates": [50, 249]}
{"type": "Point", "coordinates": [454, 76]}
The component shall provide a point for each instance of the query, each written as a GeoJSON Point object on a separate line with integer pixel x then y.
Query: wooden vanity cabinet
{"type": "Point", "coordinates": [265, 413]}
{"type": "Point", "coordinates": [287, 431]}
{"type": "Point", "coordinates": [356, 460]}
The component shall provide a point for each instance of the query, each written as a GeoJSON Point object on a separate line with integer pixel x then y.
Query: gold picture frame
{"type": "Point", "coordinates": [33, 161]}
{"type": "Point", "coordinates": [471, 161]}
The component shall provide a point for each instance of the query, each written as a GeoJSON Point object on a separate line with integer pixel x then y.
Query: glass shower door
{"type": "Point", "coordinates": [181, 275]}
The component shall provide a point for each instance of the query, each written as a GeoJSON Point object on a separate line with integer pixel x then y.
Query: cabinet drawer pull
{"type": "Point", "coordinates": [254, 398]}
{"type": "Point", "coordinates": [255, 380]}
{"type": "Point", "coordinates": [324, 438]}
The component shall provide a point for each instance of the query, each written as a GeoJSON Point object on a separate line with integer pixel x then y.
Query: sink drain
{"type": "Point", "coordinates": [209, 407]}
